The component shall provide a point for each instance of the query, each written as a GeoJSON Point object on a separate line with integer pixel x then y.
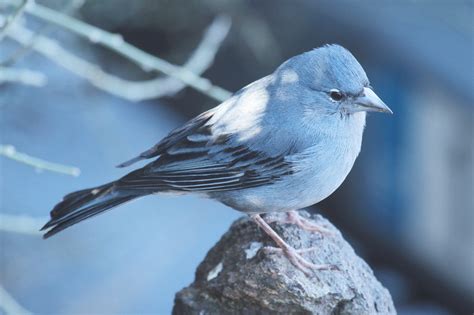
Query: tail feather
{"type": "Point", "coordinates": [83, 204]}
{"type": "Point", "coordinates": [76, 200]}
{"type": "Point", "coordinates": [86, 213]}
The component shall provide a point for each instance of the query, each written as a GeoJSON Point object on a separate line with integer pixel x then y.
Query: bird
{"type": "Point", "coordinates": [280, 144]}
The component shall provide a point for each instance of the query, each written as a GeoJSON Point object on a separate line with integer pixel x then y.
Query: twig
{"type": "Point", "coordinates": [23, 76]}
{"type": "Point", "coordinates": [135, 91]}
{"type": "Point", "coordinates": [10, 20]}
{"type": "Point", "coordinates": [9, 305]}
{"type": "Point", "coordinates": [10, 152]}
{"type": "Point", "coordinates": [24, 224]}
{"type": "Point", "coordinates": [200, 60]}
{"type": "Point", "coordinates": [72, 6]}
{"type": "Point", "coordinates": [116, 43]}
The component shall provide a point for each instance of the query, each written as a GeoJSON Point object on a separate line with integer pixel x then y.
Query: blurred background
{"type": "Point", "coordinates": [67, 97]}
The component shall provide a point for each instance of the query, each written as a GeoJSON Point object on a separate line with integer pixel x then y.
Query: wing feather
{"type": "Point", "coordinates": [177, 135]}
{"type": "Point", "coordinates": [225, 169]}
{"type": "Point", "coordinates": [192, 158]}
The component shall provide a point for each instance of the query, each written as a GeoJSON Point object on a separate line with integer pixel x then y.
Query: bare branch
{"type": "Point", "coordinates": [11, 19]}
{"type": "Point", "coordinates": [9, 305]}
{"type": "Point", "coordinates": [21, 224]}
{"type": "Point", "coordinates": [71, 7]}
{"type": "Point", "coordinates": [200, 60]}
{"type": "Point", "coordinates": [131, 90]}
{"type": "Point", "coordinates": [116, 43]}
{"type": "Point", "coordinates": [10, 152]}
{"type": "Point", "coordinates": [23, 76]}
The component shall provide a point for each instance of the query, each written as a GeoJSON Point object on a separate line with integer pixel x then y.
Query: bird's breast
{"type": "Point", "coordinates": [324, 166]}
{"type": "Point", "coordinates": [321, 170]}
{"type": "Point", "coordinates": [318, 171]}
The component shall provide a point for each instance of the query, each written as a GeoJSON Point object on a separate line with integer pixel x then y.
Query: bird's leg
{"type": "Point", "coordinates": [291, 253]}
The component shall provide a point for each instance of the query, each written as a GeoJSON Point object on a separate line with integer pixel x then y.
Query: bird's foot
{"type": "Point", "coordinates": [293, 255]}
{"type": "Point", "coordinates": [293, 217]}
{"type": "Point", "coordinates": [307, 225]}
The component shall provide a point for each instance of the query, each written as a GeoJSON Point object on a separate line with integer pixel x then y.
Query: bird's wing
{"type": "Point", "coordinates": [172, 138]}
{"type": "Point", "coordinates": [202, 162]}
{"type": "Point", "coordinates": [221, 149]}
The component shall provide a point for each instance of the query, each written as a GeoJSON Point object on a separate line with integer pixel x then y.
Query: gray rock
{"type": "Point", "coordinates": [238, 277]}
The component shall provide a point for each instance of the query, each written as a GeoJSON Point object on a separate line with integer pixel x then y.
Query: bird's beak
{"type": "Point", "coordinates": [370, 102]}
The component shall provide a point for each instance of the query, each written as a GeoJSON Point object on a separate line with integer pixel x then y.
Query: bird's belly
{"type": "Point", "coordinates": [316, 177]}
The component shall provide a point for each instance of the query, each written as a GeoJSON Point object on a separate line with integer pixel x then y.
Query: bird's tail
{"type": "Point", "coordinates": [83, 204]}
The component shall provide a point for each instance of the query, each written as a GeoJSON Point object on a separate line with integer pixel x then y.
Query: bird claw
{"type": "Point", "coordinates": [308, 225]}
{"type": "Point", "coordinates": [293, 217]}
{"type": "Point", "coordinates": [294, 256]}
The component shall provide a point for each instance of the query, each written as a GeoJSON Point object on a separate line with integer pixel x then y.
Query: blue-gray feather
{"type": "Point", "coordinates": [279, 144]}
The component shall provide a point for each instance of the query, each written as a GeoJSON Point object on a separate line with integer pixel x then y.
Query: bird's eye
{"type": "Point", "coordinates": [336, 95]}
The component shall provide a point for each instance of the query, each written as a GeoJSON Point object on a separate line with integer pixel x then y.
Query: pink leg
{"type": "Point", "coordinates": [291, 253]}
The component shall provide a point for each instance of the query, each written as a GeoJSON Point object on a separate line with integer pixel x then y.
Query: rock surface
{"type": "Point", "coordinates": [238, 277]}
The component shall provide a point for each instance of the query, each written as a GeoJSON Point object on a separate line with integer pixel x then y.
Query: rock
{"type": "Point", "coordinates": [238, 277]}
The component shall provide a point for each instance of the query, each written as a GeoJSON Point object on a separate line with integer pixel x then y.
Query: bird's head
{"type": "Point", "coordinates": [333, 81]}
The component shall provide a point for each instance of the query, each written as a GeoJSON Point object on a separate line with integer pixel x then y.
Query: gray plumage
{"type": "Point", "coordinates": [282, 143]}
